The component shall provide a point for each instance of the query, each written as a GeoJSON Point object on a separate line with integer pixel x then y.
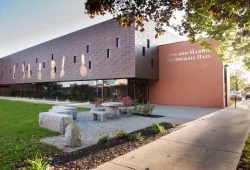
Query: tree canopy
{"type": "Point", "coordinates": [224, 21]}
{"type": "Point", "coordinates": [237, 81]}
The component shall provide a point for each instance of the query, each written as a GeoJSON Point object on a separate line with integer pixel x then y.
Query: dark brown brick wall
{"type": "Point", "coordinates": [100, 37]}
{"type": "Point", "coordinates": [125, 62]}
{"type": "Point", "coordinates": [143, 63]}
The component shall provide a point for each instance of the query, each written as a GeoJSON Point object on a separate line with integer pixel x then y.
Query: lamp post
{"type": "Point", "coordinates": [237, 67]}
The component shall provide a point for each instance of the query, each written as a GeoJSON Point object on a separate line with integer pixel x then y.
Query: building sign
{"type": "Point", "coordinates": [189, 55]}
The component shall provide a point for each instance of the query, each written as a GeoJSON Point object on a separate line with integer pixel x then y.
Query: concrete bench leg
{"type": "Point", "coordinates": [95, 116]}
{"type": "Point", "coordinates": [104, 117]}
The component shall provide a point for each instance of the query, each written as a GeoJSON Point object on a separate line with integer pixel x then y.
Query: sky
{"type": "Point", "coordinates": [25, 23]}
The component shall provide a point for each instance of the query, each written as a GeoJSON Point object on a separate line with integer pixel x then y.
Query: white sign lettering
{"type": "Point", "coordinates": [194, 55]}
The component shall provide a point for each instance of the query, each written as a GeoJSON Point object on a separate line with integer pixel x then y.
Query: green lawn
{"type": "Point", "coordinates": [20, 132]}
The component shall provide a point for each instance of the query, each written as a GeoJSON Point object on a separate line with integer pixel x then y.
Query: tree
{"type": "Point", "coordinates": [237, 81]}
{"type": "Point", "coordinates": [225, 21]}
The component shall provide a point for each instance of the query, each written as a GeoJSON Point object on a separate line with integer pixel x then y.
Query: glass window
{"type": "Point", "coordinates": [87, 48]}
{"type": "Point", "coordinates": [108, 53]}
{"type": "Point", "coordinates": [117, 42]}
{"type": "Point", "coordinates": [143, 51]}
{"type": "Point", "coordinates": [148, 43]}
{"type": "Point", "coordinates": [89, 64]}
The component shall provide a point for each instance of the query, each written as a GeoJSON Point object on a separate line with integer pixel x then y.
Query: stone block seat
{"type": "Point", "coordinates": [101, 112]}
{"type": "Point", "coordinates": [54, 121]}
{"type": "Point", "coordinates": [63, 111]}
{"type": "Point", "coordinates": [126, 111]}
{"type": "Point", "coordinates": [72, 109]}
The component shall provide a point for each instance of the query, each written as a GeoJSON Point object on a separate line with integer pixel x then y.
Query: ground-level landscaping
{"type": "Point", "coordinates": [20, 133]}
{"type": "Point", "coordinates": [109, 148]}
{"type": "Point", "coordinates": [244, 163]}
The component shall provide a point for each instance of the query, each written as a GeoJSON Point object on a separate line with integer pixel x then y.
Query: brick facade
{"type": "Point", "coordinates": [188, 77]}
{"type": "Point", "coordinates": [125, 61]}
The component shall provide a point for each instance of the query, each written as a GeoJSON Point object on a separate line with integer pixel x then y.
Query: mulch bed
{"type": "Point", "coordinates": [95, 155]}
{"type": "Point", "coordinates": [244, 163]}
{"type": "Point", "coordinates": [149, 115]}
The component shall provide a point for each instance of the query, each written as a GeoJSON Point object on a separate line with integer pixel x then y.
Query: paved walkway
{"type": "Point", "coordinates": [213, 142]}
{"type": "Point", "coordinates": [90, 128]}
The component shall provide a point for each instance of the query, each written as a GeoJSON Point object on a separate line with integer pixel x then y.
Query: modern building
{"type": "Point", "coordinates": [109, 61]}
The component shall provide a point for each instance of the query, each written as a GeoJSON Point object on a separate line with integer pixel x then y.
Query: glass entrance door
{"type": "Point", "coordinates": [99, 89]}
{"type": "Point", "coordinates": [138, 90]}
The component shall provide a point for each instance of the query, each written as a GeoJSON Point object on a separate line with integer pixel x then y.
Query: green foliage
{"type": "Point", "coordinates": [157, 128]}
{"type": "Point", "coordinates": [245, 158]}
{"type": "Point", "coordinates": [20, 133]}
{"type": "Point", "coordinates": [104, 139]}
{"type": "Point", "coordinates": [237, 81]}
{"type": "Point", "coordinates": [224, 21]}
{"type": "Point", "coordinates": [137, 137]}
{"type": "Point", "coordinates": [146, 109]}
{"type": "Point", "coordinates": [37, 164]}
{"type": "Point", "coordinates": [81, 109]}
{"type": "Point", "coordinates": [122, 134]}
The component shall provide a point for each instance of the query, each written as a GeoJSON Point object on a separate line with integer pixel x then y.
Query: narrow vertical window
{"type": "Point", "coordinates": [108, 53]}
{"type": "Point", "coordinates": [143, 51]}
{"type": "Point", "coordinates": [117, 42]}
{"type": "Point", "coordinates": [52, 57]}
{"type": "Point", "coordinates": [16, 65]}
{"type": "Point", "coordinates": [14, 74]}
{"type": "Point", "coordinates": [89, 64]}
{"type": "Point", "coordinates": [55, 69]}
{"type": "Point", "coordinates": [23, 62]}
{"type": "Point", "coordinates": [30, 72]}
{"type": "Point", "coordinates": [27, 68]}
{"type": "Point", "coordinates": [87, 48]}
{"type": "Point", "coordinates": [36, 60]}
{"type": "Point", "coordinates": [74, 59]}
{"type": "Point", "coordinates": [43, 64]}
{"type": "Point", "coordinates": [148, 43]}
{"type": "Point", "coordinates": [152, 62]}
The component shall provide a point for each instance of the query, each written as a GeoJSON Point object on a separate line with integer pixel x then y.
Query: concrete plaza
{"type": "Point", "coordinates": [90, 128]}
{"type": "Point", "coordinates": [213, 142]}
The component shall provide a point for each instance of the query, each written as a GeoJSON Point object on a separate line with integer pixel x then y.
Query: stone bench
{"type": "Point", "coordinates": [54, 121]}
{"type": "Point", "coordinates": [63, 111]}
{"type": "Point", "coordinates": [103, 114]}
{"type": "Point", "coordinates": [127, 110]}
{"type": "Point", "coordinates": [73, 109]}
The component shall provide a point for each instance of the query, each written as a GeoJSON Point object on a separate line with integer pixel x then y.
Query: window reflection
{"type": "Point", "coordinates": [113, 89]}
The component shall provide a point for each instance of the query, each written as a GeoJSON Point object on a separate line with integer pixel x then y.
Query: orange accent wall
{"type": "Point", "coordinates": [188, 77]}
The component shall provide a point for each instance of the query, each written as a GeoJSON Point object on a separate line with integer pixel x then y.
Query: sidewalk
{"type": "Point", "coordinates": [213, 142]}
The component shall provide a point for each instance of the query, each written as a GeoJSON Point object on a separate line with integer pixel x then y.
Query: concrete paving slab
{"type": "Point", "coordinates": [213, 142]}
{"type": "Point", "coordinates": [167, 154]}
{"type": "Point", "coordinates": [113, 166]}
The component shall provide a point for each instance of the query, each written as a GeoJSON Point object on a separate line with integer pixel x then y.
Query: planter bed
{"type": "Point", "coordinates": [244, 163]}
{"type": "Point", "coordinates": [98, 154]}
{"type": "Point", "coordinates": [148, 115]}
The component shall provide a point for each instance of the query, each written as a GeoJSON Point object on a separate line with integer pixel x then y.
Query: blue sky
{"type": "Point", "coordinates": [25, 23]}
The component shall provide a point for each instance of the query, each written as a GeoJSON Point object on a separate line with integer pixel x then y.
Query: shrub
{"type": "Point", "coordinates": [122, 134]}
{"type": "Point", "coordinates": [146, 109]}
{"type": "Point", "coordinates": [137, 137]}
{"type": "Point", "coordinates": [171, 125]}
{"type": "Point", "coordinates": [104, 139]}
{"type": "Point", "coordinates": [157, 128]}
{"type": "Point", "coordinates": [37, 164]}
{"type": "Point", "coordinates": [127, 101]}
{"type": "Point", "coordinates": [98, 102]}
